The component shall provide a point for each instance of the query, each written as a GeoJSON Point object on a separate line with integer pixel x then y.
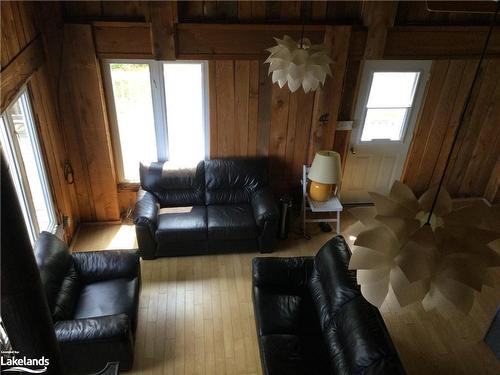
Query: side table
{"type": "Point", "coordinates": [332, 205]}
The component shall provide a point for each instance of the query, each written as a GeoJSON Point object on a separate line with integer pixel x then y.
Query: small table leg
{"type": "Point", "coordinates": [338, 222]}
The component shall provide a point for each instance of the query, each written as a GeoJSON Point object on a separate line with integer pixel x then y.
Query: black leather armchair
{"type": "Point", "coordinates": [312, 319]}
{"type": "Point", "coordinates": [93, 298]}
{"type": "Point", "coordinates": [221, 205]}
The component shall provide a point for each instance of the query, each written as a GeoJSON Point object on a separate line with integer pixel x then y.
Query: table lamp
{"type": "Point", "coordinates": [325, 171]}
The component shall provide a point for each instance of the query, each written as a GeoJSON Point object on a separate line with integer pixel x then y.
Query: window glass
{"type": "Point", "coordinates": [384, 123]}
{"type": "Point", "coordinates": [389, 102]}
{"type": "Point", "coordinates": [134, 116]}
{"type": "Point", "coordinates": [185, 122]}
{"type": "Point", "coordinates": [390, 89]}
{"type": "Point", "coordinates": [159, 113]}
{"type": "Point", "coordinates": [19, 140]}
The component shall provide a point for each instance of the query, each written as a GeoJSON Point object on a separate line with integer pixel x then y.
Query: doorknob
{"type": "Point", "coordinates": [353, 151]}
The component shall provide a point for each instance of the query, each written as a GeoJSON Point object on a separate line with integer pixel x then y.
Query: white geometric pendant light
{"type": "Point", "coordinates": [439, 262]}
{"type": "Point", "coordinates": [299, 64]}
{"type": "Point", "coordinates": [424, 249]}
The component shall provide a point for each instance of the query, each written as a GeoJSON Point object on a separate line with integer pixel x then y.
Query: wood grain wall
{"type": "Point", "coordinates": [22, 24]}
{"type": "Point", "coordinates": [85, 120]}
{"type": "Point", "coordinates": [248, 115]}
{"type": "Point", "coordinates": [477, 151]}
{"type": "Point", "coordinates": [251, 117]}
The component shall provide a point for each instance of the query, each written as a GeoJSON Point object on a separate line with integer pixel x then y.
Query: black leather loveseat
{"type": "Point", "coordinates": [312, 319]}
{"type": "Point", "coordinates": [94, 298]}
{"type": "Point", "coordinates": [221, 205]}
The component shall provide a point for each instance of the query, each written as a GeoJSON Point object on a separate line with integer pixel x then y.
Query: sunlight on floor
{"type": "Point", "coordinates": [104, 236]}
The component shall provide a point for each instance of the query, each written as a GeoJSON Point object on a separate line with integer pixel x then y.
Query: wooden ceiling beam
{"type": "Point", "coordinates": [250, 41]}
{"type": "Point", "coordinates": [19, 71]}
{"type": "Point", "coordinates": [440, 42]}
{"type": "Point", "coordinates": [163, 23]}
{"type": "Point", "coordinates": [378, 16]}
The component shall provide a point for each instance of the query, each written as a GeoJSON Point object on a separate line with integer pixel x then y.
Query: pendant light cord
{"type": "Point", "coordinates": [464, 111]}
{"type": "Point", "coordinates": [302, 33]}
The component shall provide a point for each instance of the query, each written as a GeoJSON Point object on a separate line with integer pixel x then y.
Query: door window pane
{"type": "Point", "coordinates": [384, 123]}
{"type": "Point", "coordinates": [20, 142]}
{"type": "Point", "coordinates": [390, 89]}
{"type": "Point", "coordinates": [185, 117]}
{"type": "Point", "coordinates": [134, 116]}
{"type": "Point", "coordinates": [389, 102]}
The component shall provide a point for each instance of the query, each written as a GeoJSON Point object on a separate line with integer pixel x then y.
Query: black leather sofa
{"type": "Point", "coordinates": [219, 206]}
{"type": "Point", "coordinates": [94, 299]}
{"type": "Point", "coordinates": [312, 319]}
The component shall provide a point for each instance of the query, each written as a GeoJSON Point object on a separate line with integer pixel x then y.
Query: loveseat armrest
{"type": "Point", "coordinates": [93, 266]}
{"type": "Point", "coordinates": [264, 207]}
{"type": "Point", "coordinates": [102, 328]}
{"type": "Point", "coordinates": [146, 210]}
{"type": "Point", "coordinates": [282, 273]}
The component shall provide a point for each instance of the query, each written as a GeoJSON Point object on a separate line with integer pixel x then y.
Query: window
{"type": "Point", "coordinates": [158, 112]}
{"type": "Point", "coordinates": [22, 152]}
{"type": "Point", "coordinates": [388, 106]}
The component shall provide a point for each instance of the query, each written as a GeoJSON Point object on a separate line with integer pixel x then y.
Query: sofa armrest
{"type": "Point", "coordinates": [282, 273]}
{"type": "Point", "coordinates": [146, 210]}
{"type": "Point", "coordinates": [93, 266]}
{"type": "Point", "coordinates": [110, 327]}
{"type": "Point", "coordinates": [264, 207]}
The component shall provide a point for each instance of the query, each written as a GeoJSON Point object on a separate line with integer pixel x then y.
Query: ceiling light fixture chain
{"type": "Point", "coordinates": [464, 111]}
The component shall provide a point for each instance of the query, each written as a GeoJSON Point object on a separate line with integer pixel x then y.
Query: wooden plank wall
{"type": "Point", "coordinates": [478, 148]}
{"type": "Point", "coordinates": [86, 126]}
{"type": "Point", "coordinates": [243, 124]}
{"type": "Point", "coordinates": [249, 116]}
{"type": "Point", "coordinates": [21, 24]}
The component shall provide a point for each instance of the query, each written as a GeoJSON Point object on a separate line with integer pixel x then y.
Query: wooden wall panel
{"type": "Point", "coordinates": [85, 118]}
{"type": "Point", "coordinates": [25, 58]}
{"type": "Point", "coordinates": [234, 96]}
{"type": "Point", "coordinates": [55, 154]}
{"type": "Point", "coordinates": [242, 124]}
{"type": "Point", "coordinates": [478, 147]}
{"type": "Point", "coordinates": [429, 42]}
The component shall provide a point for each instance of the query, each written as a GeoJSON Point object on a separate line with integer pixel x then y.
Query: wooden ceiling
{"type": "Point", "coordinates": [323, 12]}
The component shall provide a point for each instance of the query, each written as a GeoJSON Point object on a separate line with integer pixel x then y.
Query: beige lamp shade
{"type": "Point", "coordinates": [326, 168]}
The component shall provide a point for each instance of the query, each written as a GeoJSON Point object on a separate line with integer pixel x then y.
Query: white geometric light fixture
{"type": "Point", "coordinates": [299, 64]}
{"type": "Point", "coordinates": [439, 262]}
{"type": "Point", "coordinates": [425, 250]}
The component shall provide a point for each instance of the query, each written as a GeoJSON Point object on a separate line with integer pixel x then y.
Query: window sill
{"type": "Point", "coordinates": [129, 186]}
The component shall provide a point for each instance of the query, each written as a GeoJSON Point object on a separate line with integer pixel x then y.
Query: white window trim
{"type": "Point", "coordinates": [159, 107]}
{"type": "Point", "coordinates": [19, 176]}
{"type": "Point", "coordinates": [372, 66]}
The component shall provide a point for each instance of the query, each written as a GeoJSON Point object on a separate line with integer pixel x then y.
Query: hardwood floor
{"type": "Point", "coordinates": [196, 314]}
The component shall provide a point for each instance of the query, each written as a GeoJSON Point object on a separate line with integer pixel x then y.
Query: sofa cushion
{"type": "Point", "coordinates": [173, 186]}
{"type": "Point", "coordinates": [119, 296]}
{"type": "Point", "coordinates": [58, 275]}
{"type": "Point", "coordinates": [182, 223]}
{"type": "Point", "coordinates": [231, 181]}
{"type": "Point", "coordinates": [231, 222]}
{"type": "Point", "coordinates": [294, 355]}
{"type": "Point", "coordinates": [353, 329]}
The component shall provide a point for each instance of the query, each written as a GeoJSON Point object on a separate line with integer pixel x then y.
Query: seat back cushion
{"type": "Point", "coordinates": [231, 181]}
{"type": "Point", "coordinates": [174, 187]}
{"type": "Point", "coordinates": [354, 331]}
{"type": "Point", "coordinates": [58, 275]}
